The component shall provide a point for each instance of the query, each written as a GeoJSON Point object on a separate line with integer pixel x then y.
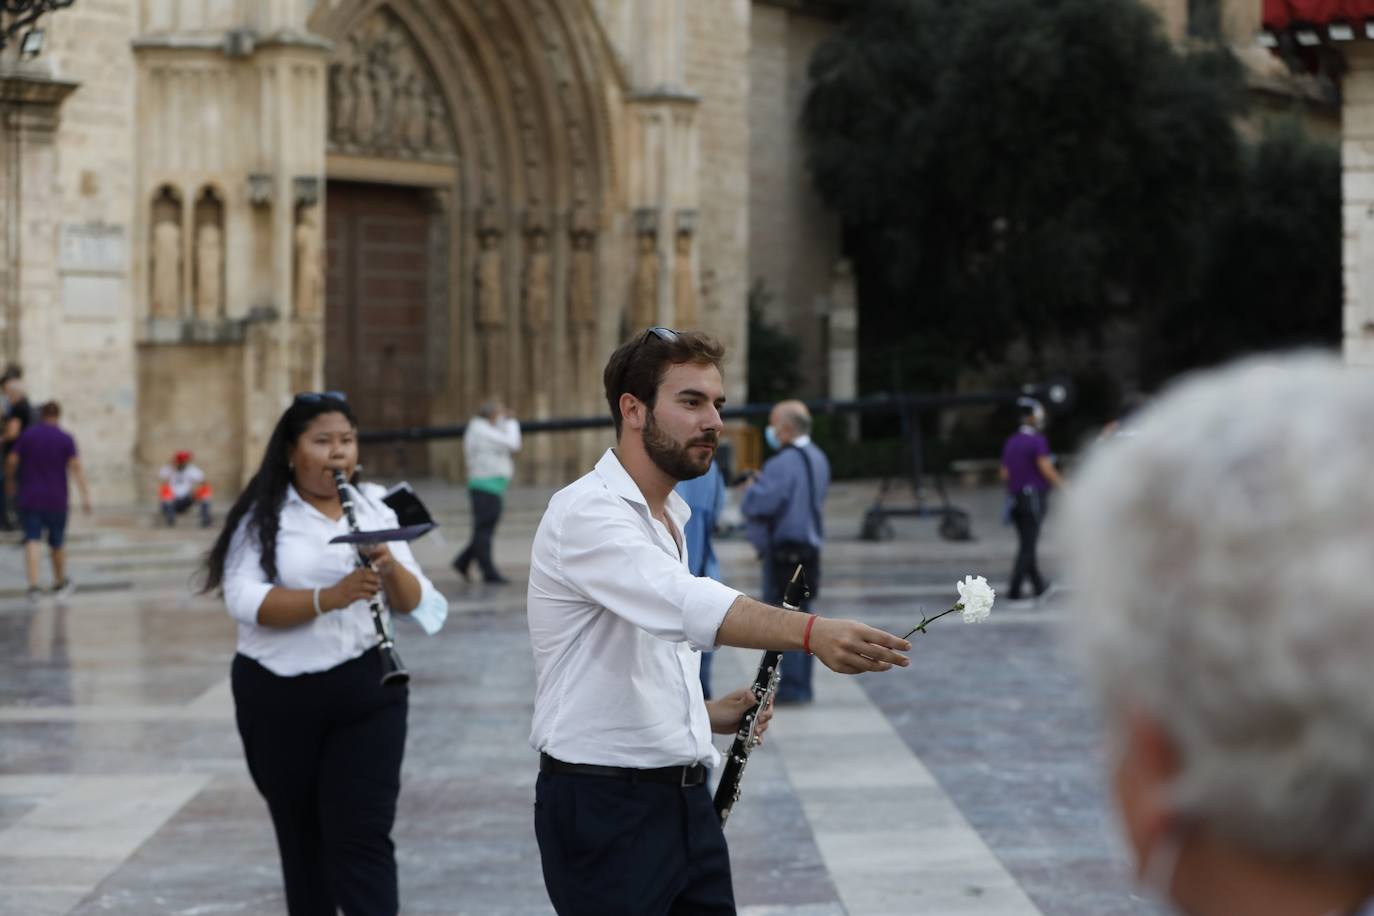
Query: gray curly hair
{"type": "Point", "coordinates": [1223, 557]}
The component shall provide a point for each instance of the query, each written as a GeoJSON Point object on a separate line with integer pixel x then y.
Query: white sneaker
{"type": "Point", "coordinates": [64, 589]}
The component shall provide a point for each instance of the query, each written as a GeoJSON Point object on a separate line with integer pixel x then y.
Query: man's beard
{"type": "Point", "coordinates": [677, 461]}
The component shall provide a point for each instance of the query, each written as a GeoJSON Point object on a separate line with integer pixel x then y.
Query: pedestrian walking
{"type": "Point", "coordinates": [490, 440]}
{"type": "Point", "coordinates": [36, 472]}
{"type": "Point", "coordinates": [1029, 473]}
{"type": "Point", "coordinates": [17, 417]}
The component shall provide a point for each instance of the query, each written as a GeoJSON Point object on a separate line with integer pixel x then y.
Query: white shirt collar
{"type": "Point", "coordinates": [610, 469]}
{"type": "Point", "coordinates": [801, 441]}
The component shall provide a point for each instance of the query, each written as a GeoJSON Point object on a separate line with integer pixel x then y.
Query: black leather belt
{"type": "Point", "coordinates": [693, 775]}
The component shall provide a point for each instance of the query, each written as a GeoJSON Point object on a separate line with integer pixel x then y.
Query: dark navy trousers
{"type": "Point", "coordinates": [612, 847]}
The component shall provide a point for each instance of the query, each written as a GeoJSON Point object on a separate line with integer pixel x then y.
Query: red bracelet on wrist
{"type": "Point", "coordinates": [806, 635]}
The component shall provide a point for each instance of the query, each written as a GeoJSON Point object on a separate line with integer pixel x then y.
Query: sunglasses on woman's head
{"type": "Point", "coordinates": [316, 397]}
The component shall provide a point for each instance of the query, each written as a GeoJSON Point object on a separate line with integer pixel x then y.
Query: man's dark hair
{"type": "Point", "coordinates": [637, 366]}
{"type": "Point", "coordinates": [50, 411]}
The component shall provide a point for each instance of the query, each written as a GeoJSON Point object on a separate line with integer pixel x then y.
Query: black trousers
{"type": "Point", "coordinates": [325, 752]}
{"type": "Point", "coordinates": [486, 512]}
{"type": "Point", "coordinates": [612, 847]}
{"type": "Point", "coordinates": [1028, 514]}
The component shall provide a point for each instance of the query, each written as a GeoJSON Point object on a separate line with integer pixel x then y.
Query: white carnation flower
{"type": "Point", "coordinates": [975, 598]}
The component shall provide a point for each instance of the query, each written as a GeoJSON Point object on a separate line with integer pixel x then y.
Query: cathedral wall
{"type": "Point", "coordinates": [77, 339]}
{"type": "Point", "coordinates": [794, 242]}
{"type": "Point", "coordinates": [717, 70]}
{"type": "Point", "coordinates": [192, 399]}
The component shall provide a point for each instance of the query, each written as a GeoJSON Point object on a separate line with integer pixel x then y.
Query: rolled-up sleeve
{"type": "Point", "coordinates": [245, 584]}
{"type": "Point", "coordinates": [610, 559]}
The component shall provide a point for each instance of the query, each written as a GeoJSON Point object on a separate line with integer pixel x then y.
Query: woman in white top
{"type": "Point", "coordinates": [323, 739]}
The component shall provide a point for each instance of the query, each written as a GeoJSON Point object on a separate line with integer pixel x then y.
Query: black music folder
{"type": "Point", "coordinates": [413, 518]}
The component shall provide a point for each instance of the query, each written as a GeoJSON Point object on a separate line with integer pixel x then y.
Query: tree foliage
{"type": "Point", "coordinates": [1016, 170]}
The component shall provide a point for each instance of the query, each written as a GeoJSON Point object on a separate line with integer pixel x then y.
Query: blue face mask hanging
{"type": "Point", "coordinates": [770, 435]}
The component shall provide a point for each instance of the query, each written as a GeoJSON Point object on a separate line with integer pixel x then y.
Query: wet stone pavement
{"type": "Point", "coordinates": [967, 784]}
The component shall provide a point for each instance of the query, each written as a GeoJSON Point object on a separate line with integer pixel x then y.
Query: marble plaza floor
{"type": "Point", "coordinates": [966, 785]}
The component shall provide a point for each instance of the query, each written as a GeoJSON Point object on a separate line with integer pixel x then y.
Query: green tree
{"type": "Point", "coordinates": [1014, 170]}
{"type": "Point", "coordinates": [1273, 268]}
{"type": "Point", "coordinates": [774, 370]}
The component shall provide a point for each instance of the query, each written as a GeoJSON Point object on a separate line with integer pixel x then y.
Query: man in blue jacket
{"type": "Point", "coordinates": [783, 505]}
{"type": "Point", "coordinates": [705, 496]}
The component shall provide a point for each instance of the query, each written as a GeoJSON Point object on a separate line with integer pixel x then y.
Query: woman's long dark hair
{"type": "Point", "coordinates": [265, 493]}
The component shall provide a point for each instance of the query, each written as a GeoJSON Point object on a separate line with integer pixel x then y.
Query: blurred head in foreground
{"type": "Point", "coordinates": [1222, 559]}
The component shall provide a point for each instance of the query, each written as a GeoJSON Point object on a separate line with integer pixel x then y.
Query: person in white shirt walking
{"type": "Point", "coordinates": [617, 621]}
{"type": "Point", "coordinates": [490, 440]}
{"type": "Point", "coordinates": [323, 739]}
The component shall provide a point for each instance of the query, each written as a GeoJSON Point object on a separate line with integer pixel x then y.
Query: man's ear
{"type": "Point", "coordinates": [1146, 769]}
{"type": "Point", "coordinates": [632, 412]}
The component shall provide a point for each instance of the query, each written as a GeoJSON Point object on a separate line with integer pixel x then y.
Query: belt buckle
{"type": "Point", "coordinates": [682, 782]}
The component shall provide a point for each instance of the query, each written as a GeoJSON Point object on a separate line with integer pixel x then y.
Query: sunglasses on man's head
{"type": "Point", "coordinates": [317, 397]}
{"type": "Point", "coordinates": [667, 335]}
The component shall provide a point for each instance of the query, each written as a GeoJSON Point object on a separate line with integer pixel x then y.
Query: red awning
{"type": "Point", "coordinates": [1280, 14]}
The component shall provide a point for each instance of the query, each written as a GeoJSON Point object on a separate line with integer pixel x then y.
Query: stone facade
{"type": "Point", "coordinates": [1357, 193]}
{"type": "Point", "coordinates": [171, 269]}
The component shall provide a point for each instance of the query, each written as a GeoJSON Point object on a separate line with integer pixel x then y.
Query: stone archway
{"type": "Point", "coordinates": [500, 111]}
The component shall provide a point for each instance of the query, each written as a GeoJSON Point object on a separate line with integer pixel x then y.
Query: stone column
{"type": "Point", "coordinates": [1357, 160]}
{"type": "Point", "coordinates": [843, 315]}
{"type": "Point", "coordinates": [29, 204]}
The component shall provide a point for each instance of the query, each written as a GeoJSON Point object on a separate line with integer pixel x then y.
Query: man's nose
{"type": "Point", "coordinates": [713, 420]}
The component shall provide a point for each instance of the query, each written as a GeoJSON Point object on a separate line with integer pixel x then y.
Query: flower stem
{"type": "Point", "coordinates": [927, 621]}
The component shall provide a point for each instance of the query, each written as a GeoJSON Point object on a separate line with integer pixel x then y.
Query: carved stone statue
{"type": "Point", "coordinates": [491, 309]}
{"type": "Point", "coordinates": [582, 308]}
{"type": "Point", "coordinates": [684, 284]}
{"type": "Point", "coordinates": [364, 124]}
{"type": "Point", "coordinates": [209, 272]}
{"type": "Point", "coordinates": [382, 95]}
{"type": "Point", "coordinates": [414, 113]}
{"type": "Point", "coordinates": [644, 292]}
{"type": "Point", "coordinates": [309, 276]}
{"type": "Point", "coordinates": [166, 270]}
{"type": "Point", "coordinates": [535, 313]}
{"type": "Point", "coordinates": [342, 101]}
{"type": "Point", "coordinates": [538, 281]}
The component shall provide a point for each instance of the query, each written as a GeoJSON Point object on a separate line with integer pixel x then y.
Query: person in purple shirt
{"type": "Point", "coordinates": [1029, 474]}
{"type": "Point", "coordinates": [37, 468]}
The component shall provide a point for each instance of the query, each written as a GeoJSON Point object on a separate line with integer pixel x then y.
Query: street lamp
{"type": "Point", "coordinates": [18, 15]}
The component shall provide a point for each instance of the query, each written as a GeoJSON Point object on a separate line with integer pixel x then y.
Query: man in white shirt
{"type": "Point", "coordinates": [617, 623]}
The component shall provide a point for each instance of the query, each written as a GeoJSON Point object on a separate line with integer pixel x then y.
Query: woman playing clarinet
{"type": "Point", "coordinates": [322, 737]}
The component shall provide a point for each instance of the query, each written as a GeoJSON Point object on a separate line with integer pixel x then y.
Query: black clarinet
{"type": "Point", "coordinates": [394, 673]}
{"type": "Point", "coordinates": [764, 687]}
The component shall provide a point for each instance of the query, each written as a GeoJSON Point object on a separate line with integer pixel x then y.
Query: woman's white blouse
{"type": "Point", "coordinates": [306, 559]}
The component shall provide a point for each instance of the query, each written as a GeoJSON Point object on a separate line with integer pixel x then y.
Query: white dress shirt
{"type": "Point", "coordinates": [306, 559]}
{"type": "Point", "coordinates": [616, 624]}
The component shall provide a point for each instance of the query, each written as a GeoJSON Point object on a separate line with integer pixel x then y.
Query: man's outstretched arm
{"type": "Point", "coordinates": [846, 646]}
